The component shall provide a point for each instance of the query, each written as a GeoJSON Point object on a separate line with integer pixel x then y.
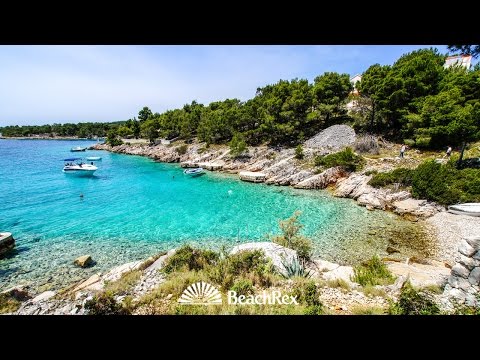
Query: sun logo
{"type": "Point", "coordinates": [200, 293]}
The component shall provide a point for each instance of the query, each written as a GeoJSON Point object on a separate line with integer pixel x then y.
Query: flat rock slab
{"type": "Point", "coordinates": [160, 262]}
{"type": "Point", "coordinates": [43, 296]}
{"type": "Point", "coordinates": [277, 253]}
{"type": "Point", "coordinates": [117, 272]}
{"type": "Point", "coordinates": [252, 176]}
{"type": "Point", "coordinates": [420, 275]}
{"type": "Point", "coordinates": [87, 284]}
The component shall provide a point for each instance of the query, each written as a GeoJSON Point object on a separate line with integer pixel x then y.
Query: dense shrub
{"type": "Point", "coordinates": [306, 292]}
{"type": "Point", "coordinates": [105, 304]}
{"type": "Point", "coordinates": [243, 287]}
{"type": "Point", "coordinates": [237, 145]}
{"type": "Point", "coordinates": [372, 272]}
{"type": "Point", "coordinates": [401, 176]}
{"type": "Point", "coordinates": [445, 184]}
{"type": "Point", "coordinates": [346, 159]}
{"type": "Point", "coordinates": [182, 149]}
{"type": "Point", "coordinates": [291, 237]}
{"type": "Point", "coordinates": [413, 302]}
{"type": "Point", "coordinates": [188, 258]}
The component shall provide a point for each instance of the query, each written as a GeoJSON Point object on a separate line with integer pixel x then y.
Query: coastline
{"type": "Point", "coordinates": [281, 168]}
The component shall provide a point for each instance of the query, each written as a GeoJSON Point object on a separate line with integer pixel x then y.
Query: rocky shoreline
{"type": "Point", "coordinates": [461, 282]}
{"type": "Point", "coordinates": [280, 167]}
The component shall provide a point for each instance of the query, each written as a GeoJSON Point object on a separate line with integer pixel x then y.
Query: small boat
{"type": "Point", "coordinates": [75, 166]}
{"type": "Point", "coordinates": [471, 209]}
{"type": "Point", "coordinates": [77, 148]}
{"type": "Point", "coordinates": [93, 158]}
{"type": "Point", "coordinates": [194, 171]}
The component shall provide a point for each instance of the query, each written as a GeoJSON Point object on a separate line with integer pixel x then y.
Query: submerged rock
{"type": "Point", "coordinates": [84, 261]}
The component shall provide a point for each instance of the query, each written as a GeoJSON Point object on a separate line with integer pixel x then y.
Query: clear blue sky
{"type": "Point", "coordinates": [47, 84]}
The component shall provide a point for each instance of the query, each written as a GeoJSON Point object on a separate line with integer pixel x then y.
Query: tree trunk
{"type": "Point", "coordinates": [372, 118]}
{"type": "Point", "coordinates": [459, 162]}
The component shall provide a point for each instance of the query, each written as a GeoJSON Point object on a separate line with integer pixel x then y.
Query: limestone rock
{"type": "Point", "coordinates": [392, 250]}
{"type": "Point", "coordinates": [84, 261]}
{"type": "Point", "coordinates": [322, 180]}
{"type": "Point", "coordinates": [474, 277]}
{"type": "Point", "coordinates": [353, 186]}
{"type": "Point", "coordinates": [160, 262]}
{"type": "Point", "coordinates": [473, 241]}
{"type": "Point", "coordinates": [277, 253]}
{"type": "Point", "coordinates": [468, 262]}
{"type": "Point", "coordinates": [7, 243]}
{"type": "Point", "coordinates": [420, 275]}
{"type": "Point", "coordinates": [87, 284]}
{"type": "Point", "coordinates": [477, 255]}
{"type": "Point", "coordinates": [43, 296]}
{"type": "Point", "coordinates": [323, 265]}
{"type": "Point", "coordinates": [466, 249]}
{"type": "Point", "coordinates": [344, 273]}
{"type": "Point", "coordinates": [115, 273]}
{"type": "Point", "coordinates": [371, 199]}
{"type": "Point", "coordinates": [460, 270]}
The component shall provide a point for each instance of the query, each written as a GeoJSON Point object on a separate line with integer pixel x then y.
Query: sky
{"type": "Point", "coordinates": [79, 83]}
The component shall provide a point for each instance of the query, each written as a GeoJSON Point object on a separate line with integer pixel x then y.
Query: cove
{"type": "Point", "coordinates": [134, 207]}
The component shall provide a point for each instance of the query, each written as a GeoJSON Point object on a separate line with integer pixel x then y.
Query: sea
{"type": "Point", "coordinates": [133, 208]}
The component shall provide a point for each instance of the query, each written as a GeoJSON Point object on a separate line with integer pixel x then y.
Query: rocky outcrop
{"type": "Point", "coordinates": [401, 202]}
{"type": "Point", "coordinates": [464, 281]}
{"type": "Point", "coordinates": [329, 271]}
{"type": "Point", "coordinates": [276, 253]}
{"type": "Point", "coordinates": [333, 138]}
{"type": "Point", "coordinates": [84, 261]}
{"type": "Point", "coordinates": [322, 180]}
{"type": "Point", "coordinates": [420, 208]}
{"type": "Point", "coordinates": [7, 243]}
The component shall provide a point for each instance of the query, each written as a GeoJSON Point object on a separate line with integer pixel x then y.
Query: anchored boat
{"type": "Point", "coordinates": [75, 166]}
{"type": "Point", "coordinates": [194, 172]}
{"type": "Point", "coordinates": [471, 209]}
{"type": "Point", "coordinates": [77, 148]}
{"type": "Point", "coordinates": [93, 158]}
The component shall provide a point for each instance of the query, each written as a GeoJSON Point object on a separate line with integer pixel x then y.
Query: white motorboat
{"type": "Point", "coordinates": [471, 209]}
{"type": "Point", "coordinates": [77, 148]}
{"type": "Point", "coordinates": [194, 172]}
{"type": "Point", "coordinates": [75, 166]}
{"type": "Point", "coordinates": [93, 158]}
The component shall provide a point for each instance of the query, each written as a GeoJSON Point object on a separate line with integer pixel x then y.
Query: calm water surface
{"type": "Point", "coordinates": [133, 207]}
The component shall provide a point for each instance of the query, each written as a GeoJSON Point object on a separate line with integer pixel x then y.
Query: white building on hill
{"type": "Point", "coordinates": [462, 60]}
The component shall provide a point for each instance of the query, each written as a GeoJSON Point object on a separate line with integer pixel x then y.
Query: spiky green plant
{"type": "Point", "coordinates": [295, 267]}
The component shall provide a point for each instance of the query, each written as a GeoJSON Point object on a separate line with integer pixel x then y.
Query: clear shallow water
{"type": "Point", "coordinates": [133, 207]}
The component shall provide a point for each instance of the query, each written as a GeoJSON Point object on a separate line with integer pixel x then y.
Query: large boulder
{"type": "Point", "coordinates": [354, 186]}
{"type": "Point", "coordinates": [322, 180]}
{"type": "Point", "coordinates": [276, 253]}
{"type": "Point", "coordinates": [84, 261]}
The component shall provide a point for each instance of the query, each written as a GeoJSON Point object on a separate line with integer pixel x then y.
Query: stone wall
{"type": "Point", "coordinates": [464, 281]}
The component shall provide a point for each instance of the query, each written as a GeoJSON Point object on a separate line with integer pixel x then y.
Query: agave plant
{"type": "Point", "coordinates": [295, 267]}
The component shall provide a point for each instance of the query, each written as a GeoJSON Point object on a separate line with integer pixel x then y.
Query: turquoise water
{"type": "Point", "coordinates": [134, 207]}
